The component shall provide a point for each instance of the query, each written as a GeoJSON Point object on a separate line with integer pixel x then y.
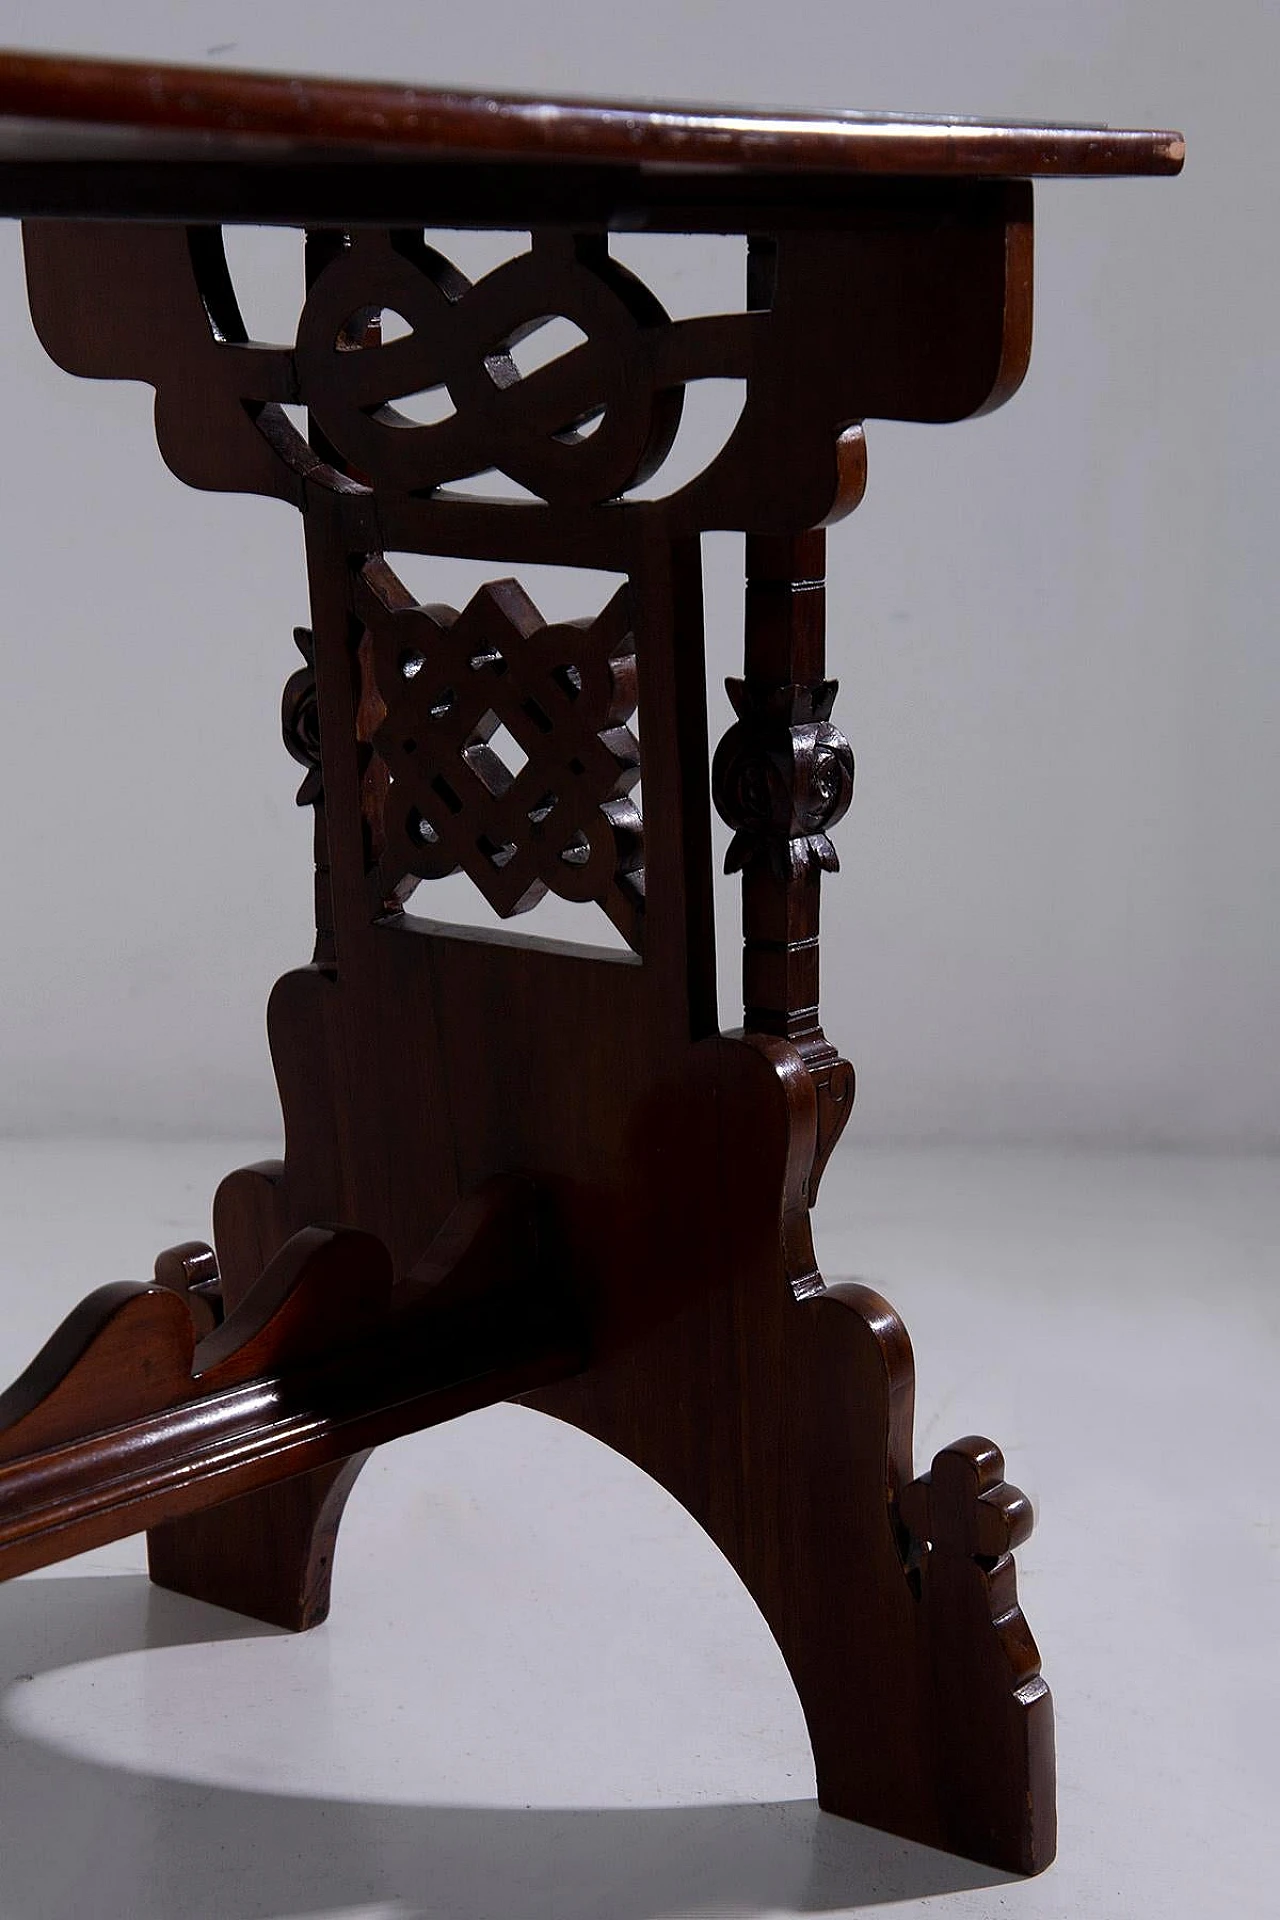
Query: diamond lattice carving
{"type": "Point", "coordinates": [506, 748]}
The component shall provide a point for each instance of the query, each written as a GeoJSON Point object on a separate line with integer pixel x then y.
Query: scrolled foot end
{"type": "Point", "coordinates": [992, 1710]}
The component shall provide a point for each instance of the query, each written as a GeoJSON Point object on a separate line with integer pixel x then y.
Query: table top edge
{"type": "Point", "coordinates": [234, 116]}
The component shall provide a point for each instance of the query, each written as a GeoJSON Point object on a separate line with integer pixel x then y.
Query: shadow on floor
{"type": "Point", "coordinates": [82, 1838]}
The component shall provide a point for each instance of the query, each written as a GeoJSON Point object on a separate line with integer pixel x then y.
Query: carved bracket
{"type": "Point", "coordinates": [924, 315]}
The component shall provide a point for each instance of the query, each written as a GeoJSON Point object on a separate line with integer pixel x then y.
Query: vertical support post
{"type": "Point", "coordinates": [782, 776]}
{"type": "Point", "coordinates": [301, 710]}
{"type": "Point", "coordinates": [784, 645]}
{"type": "Point", "coordinates": [300, 727]}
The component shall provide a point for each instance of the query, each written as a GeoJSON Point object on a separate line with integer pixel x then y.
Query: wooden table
{"type": "Point", "coordinates": [520, 1168]}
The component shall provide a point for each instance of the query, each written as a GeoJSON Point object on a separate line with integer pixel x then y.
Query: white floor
{"type": "Point", "coordinates": [542, 1696]}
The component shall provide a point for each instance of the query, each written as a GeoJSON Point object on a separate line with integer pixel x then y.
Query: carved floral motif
{"type": "Point", "coordinates": [781, 777]}
{"type": "Point", "coordinates": [300, 719]}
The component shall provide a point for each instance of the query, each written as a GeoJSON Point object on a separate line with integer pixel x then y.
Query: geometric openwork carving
{"type": "Point", "coordinates": [416, 1076]}
{"type": "Point", "coordinates": [590, 424]}
{"type": "Point", "coordinates": [454, 693]}
{"type": "Point", "coordinates": [839, 325]}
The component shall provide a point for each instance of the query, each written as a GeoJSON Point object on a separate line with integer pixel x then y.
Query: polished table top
{"type": "Point", "coordinates": [63, 110]}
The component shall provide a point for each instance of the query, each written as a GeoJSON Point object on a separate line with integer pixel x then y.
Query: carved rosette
{"type": "Point", "coordinates": [300, 719]}
{"type": "Point", "coordinates": [781, 777]}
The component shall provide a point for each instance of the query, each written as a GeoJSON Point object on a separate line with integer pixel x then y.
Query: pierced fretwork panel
{"type": "Point", "coordinates": [558, 369]}
{"type": "Point", "coordinates": [501, 746]}
{"type": "Point", "coordinates": [589, 422]}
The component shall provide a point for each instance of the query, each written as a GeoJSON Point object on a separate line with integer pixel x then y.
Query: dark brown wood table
{"type": "Point", "coordinates": [516, 1167]}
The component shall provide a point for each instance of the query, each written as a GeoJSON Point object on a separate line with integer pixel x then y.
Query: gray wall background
{"type": "Point", "coordinates": [1054, 628]}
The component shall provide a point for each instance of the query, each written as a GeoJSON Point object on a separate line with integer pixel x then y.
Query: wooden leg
{"type": "Point", "coordinates": [918, 1676]}
{"type": "Point", "coordinates": [267, 1554]}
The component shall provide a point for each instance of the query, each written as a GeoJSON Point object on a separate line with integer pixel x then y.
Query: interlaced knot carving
{"type": "Point", "coordinates": [446, 682]}
{"type": "Point", "coordinates": [843, 323]}
{"type": "Point", "coordinates": [591, 424]}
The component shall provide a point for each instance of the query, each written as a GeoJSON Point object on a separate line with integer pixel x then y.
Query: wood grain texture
{"type": "Point", "coordinates": [123, 1421]}
{"type": "Point", "coordinates": [782, 776]}
{"type": "Point", "coordinates": [919, 311]}
{"type": "Point", "coordinates": [267, 1554]}
{"type": "Point", "coordinates": [191, 1270]}
{"type": "Point", "coordinates": [237, 108]}
{"type": "Point", "coordinates": [517, 1167]}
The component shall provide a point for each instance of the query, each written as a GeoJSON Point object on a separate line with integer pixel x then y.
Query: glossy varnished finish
{"type": "Point", "coordinates": [124, 1419]}
{"type": "Point", "coordinates": [230, 110]}
{"type": "Point", "coordinates": [517, 1167]}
